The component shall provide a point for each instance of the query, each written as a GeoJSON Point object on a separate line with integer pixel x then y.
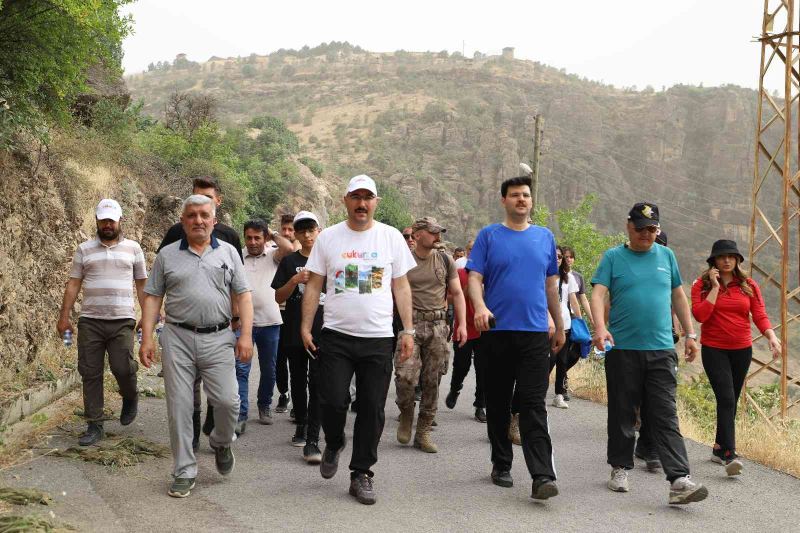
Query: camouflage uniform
{"type": "Point", "coordinates": [431, 354]}
{"type": "Point", "coordinates": [430, 357]}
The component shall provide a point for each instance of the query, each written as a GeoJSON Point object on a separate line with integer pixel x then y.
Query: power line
{"type": "Point", "coordinates": [691, 215]}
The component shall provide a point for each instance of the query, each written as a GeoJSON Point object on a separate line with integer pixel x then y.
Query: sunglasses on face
{"type": "Point", "coordinates": [408, 236]}
{"type": "Point", "coordinates": [649, 229]}
{"type": "Point", "coordinates": [559, 256]}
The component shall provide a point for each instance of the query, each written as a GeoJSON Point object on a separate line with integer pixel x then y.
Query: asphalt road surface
{"type": "Point", "coordinates": [273, 489]}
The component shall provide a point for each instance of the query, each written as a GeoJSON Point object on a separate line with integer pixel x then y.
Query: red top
{"type": "Point", "coordinates": [472, 333]}
{"type": "Point", "coordinates": [726, 323]}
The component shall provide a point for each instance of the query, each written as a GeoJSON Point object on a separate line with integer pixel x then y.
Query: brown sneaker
{"type": "Point", "coordinates": [422, 439]}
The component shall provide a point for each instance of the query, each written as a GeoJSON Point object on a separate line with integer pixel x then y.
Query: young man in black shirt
{"type": "Point", "coordinates": [206, 186]}
{"type": "Point", "coordinates": [289, 284]}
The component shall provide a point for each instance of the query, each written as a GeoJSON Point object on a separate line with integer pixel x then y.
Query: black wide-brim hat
{"type": "Point", "coordinates": [724, 247]}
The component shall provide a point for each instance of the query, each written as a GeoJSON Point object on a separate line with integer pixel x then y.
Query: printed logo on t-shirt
{"type": "Point", "coordinates": [361, 279]}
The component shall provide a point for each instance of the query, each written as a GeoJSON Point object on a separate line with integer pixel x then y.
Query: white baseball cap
{"type": "Point", "coordinates": [108, 208]}
{"type": "Point", "coordinates": [362, 181]}
{"type": "Point", "coordinates": [305, 215]}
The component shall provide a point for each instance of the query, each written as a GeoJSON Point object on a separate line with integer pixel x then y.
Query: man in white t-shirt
{"type": "Point", "coordinates": [365, 263]}
{"type": "Point", "coordinates": [260, 264]}
{"type": "Point", "coordinates": [461, 262]}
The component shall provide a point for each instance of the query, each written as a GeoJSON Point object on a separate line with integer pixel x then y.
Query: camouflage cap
{"type": "Point", "coordinates": [428, 224]}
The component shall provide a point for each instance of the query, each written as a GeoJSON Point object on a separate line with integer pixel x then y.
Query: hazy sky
{"type": "Point", "coordinates": [624, 42]}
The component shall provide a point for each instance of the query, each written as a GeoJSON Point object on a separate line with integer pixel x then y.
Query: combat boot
{"type": "Point", "coordinates": [404, 428]}
{"type": "Point", "coordinates": [422, 439]}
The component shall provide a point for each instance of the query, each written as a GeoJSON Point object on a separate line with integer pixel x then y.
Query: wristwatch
{"type": "Point", "coordinates": [692, 336]}
{"type": "Point", "coordinates": [411, 332]}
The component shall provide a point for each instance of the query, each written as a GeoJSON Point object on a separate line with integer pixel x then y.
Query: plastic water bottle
{"type": "Point", "coordinates": [159, 329]}
{"type": "Point", "coordinates": [608, 346]}
{"type": "Point", "coordinates": [139, 336]}
{"type": "Point", "coordinates": [67, 337]}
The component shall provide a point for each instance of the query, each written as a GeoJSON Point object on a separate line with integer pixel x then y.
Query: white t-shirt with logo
{"type": "Point", "coordinates": [360, 266]}
{"type": "Point", "coordinates": [566, 289]}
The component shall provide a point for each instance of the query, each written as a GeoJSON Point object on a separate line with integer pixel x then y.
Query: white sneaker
{"type": "Point", "coordinates": [716, 459]}
{"type": "Point", "coordinates": [683, 490]}
{"type": "Point", "coordinates": [558, 401]}
{"type": "Point", "coordinates": [733, 467]}
{"type": "Point", "coordinates": [619, 480]}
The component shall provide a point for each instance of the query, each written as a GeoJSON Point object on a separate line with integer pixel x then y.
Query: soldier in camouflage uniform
{"type": "Point", "coordinates": [430, 280]}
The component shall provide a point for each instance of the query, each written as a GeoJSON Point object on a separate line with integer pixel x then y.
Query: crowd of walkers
{"type": "Point", "coordinates": [335, 312]}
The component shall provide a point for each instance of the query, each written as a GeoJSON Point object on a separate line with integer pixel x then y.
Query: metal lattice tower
{"type": "Point", "coordinates": [775, 222]}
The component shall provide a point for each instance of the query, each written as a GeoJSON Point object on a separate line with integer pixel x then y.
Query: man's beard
{"type": "Point", "coordinates": [107, 235]}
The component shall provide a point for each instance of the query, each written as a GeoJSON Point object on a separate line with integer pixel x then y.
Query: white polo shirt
{"type": "Point", "coordinates": [260, 269]}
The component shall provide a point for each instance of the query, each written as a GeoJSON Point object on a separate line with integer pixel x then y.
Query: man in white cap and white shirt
{"type": "Point", "coordinates": [364, 263]}
{"type": "Point", "coordinates": [107, 267]}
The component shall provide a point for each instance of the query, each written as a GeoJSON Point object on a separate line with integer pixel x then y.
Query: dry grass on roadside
{"type": "Point", "coordinates": [776, 446]}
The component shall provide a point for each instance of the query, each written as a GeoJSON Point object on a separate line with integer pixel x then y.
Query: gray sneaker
{"type": "Point", "coordinates": [619, 480]}
{"type": "Point", "coordinates": [181, 487]}
{"type": "Point", "coordinates": [362, 489]}
{"type": "Point", "coordinates": [683, 490]}
{"type": "Point", "coordinates": [265, 415]}
{"type": "Point", "coordinates": [330, 462]}
{"type": "Point", "coordinates": [224, 459]}
{"type": "Point", "coordinates": [733, 467]}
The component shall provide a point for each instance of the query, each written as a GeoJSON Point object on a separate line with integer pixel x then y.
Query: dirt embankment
{"type": "Point", "coordinates": [46, 209]}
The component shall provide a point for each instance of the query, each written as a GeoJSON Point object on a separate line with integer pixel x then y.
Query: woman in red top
{"type": "Point", "coordinates": [723, 300]}
{"type": "Point", "coordinates": [462, 357]}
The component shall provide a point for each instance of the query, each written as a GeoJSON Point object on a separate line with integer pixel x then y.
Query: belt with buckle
{"type": "Point", "coordinates": [430, 316]}
{"type": "Point", "coordinates": [202, 329]}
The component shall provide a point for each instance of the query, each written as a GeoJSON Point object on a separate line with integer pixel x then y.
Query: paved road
{"type": "Point", "coordinates": [272, 488]}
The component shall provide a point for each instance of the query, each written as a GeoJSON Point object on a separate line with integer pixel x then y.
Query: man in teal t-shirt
{"type": "Point", "coordinates": [643, 282]}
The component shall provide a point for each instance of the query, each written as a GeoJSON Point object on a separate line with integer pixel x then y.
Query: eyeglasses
{"type": "Point", "coordinates": [650, 229]}
{"type": "Point", "coordinates": [408, 236]}
{"type": "Point", "coordinates": [359, 197]}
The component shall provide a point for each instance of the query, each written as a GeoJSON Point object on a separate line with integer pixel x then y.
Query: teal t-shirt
{"type": "Point", "coordinates": [640, 285]}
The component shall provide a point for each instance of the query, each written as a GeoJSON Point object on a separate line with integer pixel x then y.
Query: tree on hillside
{"type": "Point", "coordinates": [46, 48]}
{"type": "Point", "coordinates": [581, 234]}
{"type": "Point", "coordinates": [185, 112]}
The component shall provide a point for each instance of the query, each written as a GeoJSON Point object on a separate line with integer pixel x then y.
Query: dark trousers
{"type": "Point", "coordinates": [462, 359]}
{"type": "Point", "coordinates": [726, 370]}
{"type": "Point", "coordinates": [565, 359]}
{"type": "Point", "coordinates": [370, 359]}
{"type": "Point", "coordinates": [95, 338]}
{"type": "Point", "coordinates": [305, 393]}
{"type": "Point", "coordinates": [519, 357]}
{"type": "Point", "coordinates": [282, 362]}
{"type": "Point", "coordinates": [647, 379]}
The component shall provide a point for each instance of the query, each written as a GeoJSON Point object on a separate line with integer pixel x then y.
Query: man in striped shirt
{"type": "Point", "coordinates": [107, 267]}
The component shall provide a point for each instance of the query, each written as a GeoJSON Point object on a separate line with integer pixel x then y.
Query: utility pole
{"type": "Point", "coordinates": [537, 152]}
{"type": "Point", "coordinates": [776, 192]}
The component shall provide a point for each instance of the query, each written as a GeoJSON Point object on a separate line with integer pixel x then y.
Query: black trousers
{"type": "Point", "coordinates": [565, 359]}
{"type": "Point", "coordinates": [370, 359]}
{"type": "Point", "coordinates": [646, 378]}
{"type": "Point", "coordinates": [726, 370]}
{"type": "Point", "coordinates": [519, 357]}
{"type": "Point", "coordinates": [305, 393]}
{"type": "Point", "coordinates": [462, 359]}
{"type": "Point", "coordinates": [282, 362]}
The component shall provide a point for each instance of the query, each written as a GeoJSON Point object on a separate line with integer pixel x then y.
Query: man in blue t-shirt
{"type": "Point", "coordinates": [644, 284]}
{"type": "Point", "coordinates": [513, 283]}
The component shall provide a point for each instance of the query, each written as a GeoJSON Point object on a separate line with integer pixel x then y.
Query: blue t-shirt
{"type": "Point", "coordinates": [640, 285]}
{"type": "Point", "coordinates": [514, 265]}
